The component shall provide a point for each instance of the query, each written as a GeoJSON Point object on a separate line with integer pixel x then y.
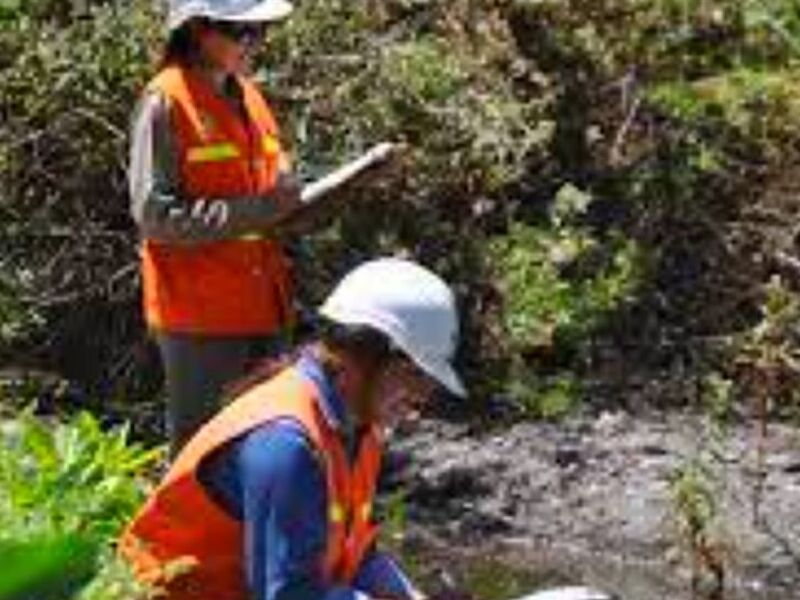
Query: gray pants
{"type": "Point", "coordinates": [198, 369]}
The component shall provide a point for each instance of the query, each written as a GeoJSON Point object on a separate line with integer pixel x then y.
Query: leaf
{"type": "Point", "coordinates": [48, 567]}
{"type": "Point", "coordinates": [570, 202]}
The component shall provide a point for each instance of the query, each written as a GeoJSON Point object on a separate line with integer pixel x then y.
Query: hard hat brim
{"type": "Point", "coordinates": [445, 374]}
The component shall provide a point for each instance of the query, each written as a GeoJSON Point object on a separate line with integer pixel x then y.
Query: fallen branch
{"type": "Point", "coordinates": [615, 155]}
{"type": "Point", "coordinates": [102, 121]}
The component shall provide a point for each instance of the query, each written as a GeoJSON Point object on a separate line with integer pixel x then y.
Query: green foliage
{"type": "Point", "coordinates": [694, 498]}
{"type": "Point", "coordinates": [695, 501]}
{"type": "Point", "coordinates": [767, 353]}
{"type": "Point", "coordinates": [717, 393]}
{"type": "Point", "coordinates": [558, 281]}
{"type": "Point", "coordinates": [668, 111]}
{"type": "Point", "coordinates": [46, 568]}
{"type": "Point", "coordinates": [546, 303]}
{"type": "Point", "coordinates": [65, 492]}
{"type": "Point", "coordinates": [69, 85]}
{"type": "Point", "coordinates": [493, 580]}
{"type": "Point", "coordinates": [73, 477]}
{"type": "Point", "coordinates": [758, 105]}
{"type": "Point", "coordinates": [113, 580]}
{"type": "Point", "coordinates": [540, 396]}
{"type": "Point", "coordinates": [393, 516]}
{"type": "Point", "coordinates": [382, 78]}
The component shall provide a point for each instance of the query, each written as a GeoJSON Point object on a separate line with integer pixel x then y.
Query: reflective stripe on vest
{"type": "Point", "coordinates": [253, 237]}
{"type": "Point", "coordinates": [181, 519]}
{"type": "Point", "coordinates": [337, 513]}
{"type": "Point", "coordinates": [271, 145]}
{"type": "Point", "coordinates": [228, 286]}
{"type": "Point", "coordinates": [212, 153]}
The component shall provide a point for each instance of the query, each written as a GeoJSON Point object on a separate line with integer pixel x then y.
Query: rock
{"type": "Point", "coordinates": [568, 455]}
{"type": "Point", "coordinates": [604, 488]}
{"type": "Point", "coordinates": [610, 423]}
{"type": "Point", "coordinates": [792, 468]}
{"type": "Point", "coordinates": [654, 450]}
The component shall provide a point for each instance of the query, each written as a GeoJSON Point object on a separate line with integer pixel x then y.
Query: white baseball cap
{"type": "Point", "coordinates": [255, 11]}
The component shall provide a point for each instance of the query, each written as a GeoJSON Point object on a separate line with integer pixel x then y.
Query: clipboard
{"type": "Point", "coordinates": [315, 197]}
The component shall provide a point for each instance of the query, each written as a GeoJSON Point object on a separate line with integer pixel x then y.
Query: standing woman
{"type": "Point", "coordinates": [207, 176]}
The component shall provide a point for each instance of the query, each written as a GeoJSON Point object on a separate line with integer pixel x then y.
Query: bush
{"type": "Point", "coordinates": [68, 251]}
{"type": "Point", "coordinates": [66, 490]}
{"type": "Point", "coordinates": [669, 115]}
{"type": "Point", "coordinates": [558, 282]}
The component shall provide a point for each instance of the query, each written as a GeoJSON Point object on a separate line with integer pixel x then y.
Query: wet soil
{"type": "Point", "coordinates": [593, 500]}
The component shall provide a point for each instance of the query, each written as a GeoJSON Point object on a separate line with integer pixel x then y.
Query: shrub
{"type": "Point", "coordinates": [668, 113]}
{"type": "Point", "coordinates": [558, 282]}
{"type": "Point", "coordinates": [66, 489]}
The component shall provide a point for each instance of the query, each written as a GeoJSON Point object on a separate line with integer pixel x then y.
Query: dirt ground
{"type": "Point", "coordinates": [593, 500]}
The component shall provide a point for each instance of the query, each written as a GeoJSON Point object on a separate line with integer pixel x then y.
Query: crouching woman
{"type": "Point", "coordinates": [272, 499]}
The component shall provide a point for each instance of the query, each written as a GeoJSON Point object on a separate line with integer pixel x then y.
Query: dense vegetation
{"type": "Point", "coordinates": [608, 183]}
{"type": "Point", "coordinates": [65, 491]}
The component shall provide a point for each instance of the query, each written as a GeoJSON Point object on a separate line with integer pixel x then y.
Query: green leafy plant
{"type": "Point", "coordinates": [394, 517]}
{"type": "Point", "coordinates": [46, 567]}
{"type": "Point", "coordinates": [696, 506]}
{"type": "Point", "coordinates": [545, 302]}
{"type": "Point", "coordinates": [558, 282]}
{"type": "Point", "coordinates": [66, 489]}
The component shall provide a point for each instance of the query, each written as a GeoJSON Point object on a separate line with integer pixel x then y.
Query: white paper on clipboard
{"type": "Point", "coordinates": [322, 187]}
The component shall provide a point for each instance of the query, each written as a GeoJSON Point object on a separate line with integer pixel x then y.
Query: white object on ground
{"type": "Point", "coordinates": [568, 593]}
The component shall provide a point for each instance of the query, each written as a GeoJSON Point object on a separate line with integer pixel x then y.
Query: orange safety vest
{"type": "Point", "coordinates": [230, 287]}
{"type": "Point", "coordinates": [180, 520]}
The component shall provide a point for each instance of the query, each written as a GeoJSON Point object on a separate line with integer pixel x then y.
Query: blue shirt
{"type": "Point", "coordinates": [272, 481]}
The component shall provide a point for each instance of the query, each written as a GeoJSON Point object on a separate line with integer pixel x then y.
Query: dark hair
{"type": "Point", "coordinates": [263, 370]}
{"type": "Point", "coordinates": [360, 341]}
{"type": "Point", "coordinates": [180, 48]}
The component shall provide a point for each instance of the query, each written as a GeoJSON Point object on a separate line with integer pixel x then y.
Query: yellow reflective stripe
{"type": "Point", "coordinates": [337, 513]}
{"type": "Point", "coordinates": [366, 511]}
{"type": "Point", "coordinates": [212, 152]}
{"type": "Point", "coordinates": [271, 144]}
{"type": "Point", "coordinates": [253, 237]}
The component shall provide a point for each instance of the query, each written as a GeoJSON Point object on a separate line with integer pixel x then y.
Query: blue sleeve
{"type": "Point", "coordinates": [281, 499]}
{"type": "Point", "coordinates": [381, 577]}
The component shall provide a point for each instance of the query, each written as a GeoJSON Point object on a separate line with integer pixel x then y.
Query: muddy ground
{"type": "Point", "coordinates": [593, 500]}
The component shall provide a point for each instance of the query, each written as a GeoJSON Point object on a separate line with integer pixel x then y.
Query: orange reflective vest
{"type": "Point", "coordinates": [180, 520]}
{"type": "Point", "coordinates": [238, 286]}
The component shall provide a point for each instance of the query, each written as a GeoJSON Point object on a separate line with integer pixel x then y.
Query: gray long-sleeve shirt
{"type": "Point", "coordinates": [157, 204]}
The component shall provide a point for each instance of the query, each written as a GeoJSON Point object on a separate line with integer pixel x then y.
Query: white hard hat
{"type": "Point", "coordinates": [408, 303]}
{"type": "Point", "coordinates": [181, 11]}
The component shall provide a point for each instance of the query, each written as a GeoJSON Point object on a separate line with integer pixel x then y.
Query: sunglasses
{"type": "Point", "coordinates": [236, 31]}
